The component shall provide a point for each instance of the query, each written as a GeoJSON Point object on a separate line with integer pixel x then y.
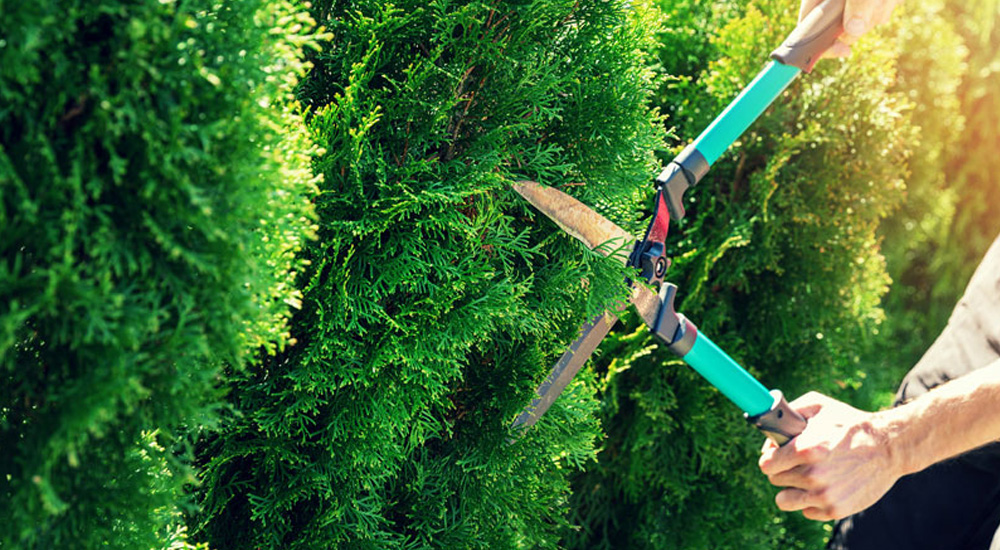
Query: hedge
{"type": "Point", "coordinates": [436, 299]}
{"type": "Point", "coordinates": [154, 191]}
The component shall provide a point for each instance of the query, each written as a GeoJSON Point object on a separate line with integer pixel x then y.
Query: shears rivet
{"type": "Point", "coordinates": [661, 267]}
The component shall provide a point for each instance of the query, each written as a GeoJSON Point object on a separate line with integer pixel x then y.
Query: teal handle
{"type": "Point", "coordinates": [744, 110]}
{"type": "Point", "coordinates": [728, 376]}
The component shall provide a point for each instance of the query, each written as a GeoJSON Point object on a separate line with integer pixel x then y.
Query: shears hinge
{"type": "Point", "coordinates": [685, 171]}
{"type": "Point", "coordinates": [650, 254]}
{"type": "Point", "coordinates": [653, 261]}
{"type": "Point", "coordinates": [674, 329]}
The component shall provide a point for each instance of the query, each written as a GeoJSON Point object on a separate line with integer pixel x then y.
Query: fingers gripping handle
{"type": "Point", "coordinates": [781, 423]}
{"type": "Point", "coordinates": [813, 36]}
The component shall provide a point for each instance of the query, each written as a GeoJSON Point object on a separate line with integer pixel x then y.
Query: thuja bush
{"type": "Point", "coordinates": [973, 162]}
{"type": "Point", "coordinates": [917, 239]}
{"type": "Point", "coordinates": [154, 190]}
{"type": "Point", "coordinates": [436, 299]}
{"type": "Point", "coordinates": [948, 237]}
{"type": "Point", "coordinates": [778, 260]}
{"type": "Point", "coordinates": [937, 239]}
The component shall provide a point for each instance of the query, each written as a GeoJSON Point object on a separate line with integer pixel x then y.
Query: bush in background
{"type": "Point", "coordinates": [948, 222]}
{"type": "Point", "coordinates": [155, 183]}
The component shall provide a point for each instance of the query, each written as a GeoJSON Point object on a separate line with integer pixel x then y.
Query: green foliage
{"type": "Point", "coordinates": [159, 193]}
{"type": "Point", "coordinates": [948, 223]}
{"type": "Point", "coordinates": [435, 298]}
{"type": "Point", "coordinates": [153, 195]}
{"type": "Point", "coordinates": [915, 237]}
{"type": "Point", "coordinates": [947, 65]}
{"type": "Point", "coordinates": [781, 257]}
{"type": "Point", "coordinates": [973, 163]}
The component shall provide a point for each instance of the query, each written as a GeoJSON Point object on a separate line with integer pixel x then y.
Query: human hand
{"type": "Point", "coordinates": [860, 16]}
{"type": "Point", "coordinates": [840, 464]}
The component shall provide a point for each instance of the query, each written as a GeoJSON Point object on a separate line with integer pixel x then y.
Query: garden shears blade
{"type": "Point", "coordinates": [605, 237]}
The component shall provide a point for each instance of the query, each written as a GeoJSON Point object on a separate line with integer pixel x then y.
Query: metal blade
{"type": "Point", "coordinates": [592, 229]}
{"type": "Point", "coordinates": [647, 303]}
{"type": "Point", "coordinates": [605, 237]}
{"type": "Point", "coordinates": [577, 219]}
{"type": "Point", "coordinates": [566, 368]}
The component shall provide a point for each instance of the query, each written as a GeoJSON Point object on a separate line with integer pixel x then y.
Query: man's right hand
{"type": "Point", "coordinates": [839, 465]}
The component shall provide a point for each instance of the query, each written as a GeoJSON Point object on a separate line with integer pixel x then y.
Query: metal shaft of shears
{"type": "Point", "coordinates": [566, 368]}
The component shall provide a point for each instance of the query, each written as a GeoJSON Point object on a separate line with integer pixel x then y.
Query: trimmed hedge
{"type": "Point", "coordinates": [345, 310]}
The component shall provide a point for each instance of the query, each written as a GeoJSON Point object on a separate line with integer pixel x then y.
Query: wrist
{"type": "Point", "coordinates": [895, 437]}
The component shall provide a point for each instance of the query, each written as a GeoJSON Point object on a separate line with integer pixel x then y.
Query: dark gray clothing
{"type": "Point", "coordinates": [953, 505]}
{"type": "Point", "coordinates": [972, 338]}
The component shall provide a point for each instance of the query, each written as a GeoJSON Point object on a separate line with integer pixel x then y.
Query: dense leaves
{"type": "Point", "coordinates": [436, 299]}
{"type": "Point", "coordinates": [346, 310]}
{"type": "Point", "coordinates": [153, 194]}
{"type": "Point", "coordinates": [949, 218]}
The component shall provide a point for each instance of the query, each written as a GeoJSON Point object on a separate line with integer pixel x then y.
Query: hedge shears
{"type": "Point", "coordinates": [767, 410]}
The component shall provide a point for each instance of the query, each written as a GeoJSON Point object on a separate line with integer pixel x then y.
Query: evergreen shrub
{"type": "Point", "coordinates": [949, 235]}
{"type": "Point", "coordinates": [932, 66]}
{"type": "Point", "coordinates": [973, 163]}
{"type": "Point", "coordinates": [155, 227]}
{"type": "Point", "coordinates": [154, 191]}
{"type": "Point", "coordinates": [948, 66]}
{"type": "Point", "coordinates": [436, 299]}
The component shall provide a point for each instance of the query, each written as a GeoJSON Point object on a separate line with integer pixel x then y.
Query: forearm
{"type": "Point", "coordinates": [955, 417]}
{"type": "Point", "coordinates": [846, 459]}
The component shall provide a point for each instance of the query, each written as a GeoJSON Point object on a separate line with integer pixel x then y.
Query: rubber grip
{"type": "Point", "coordinates": [781, 423]}
{"type": "Point", "coordinates": [813, 36]}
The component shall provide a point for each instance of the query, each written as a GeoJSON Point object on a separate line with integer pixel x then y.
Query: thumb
{"type": "Point", "coordinates": [858, 15]}
{"type": "Point", "coordinates": [810, 404]}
